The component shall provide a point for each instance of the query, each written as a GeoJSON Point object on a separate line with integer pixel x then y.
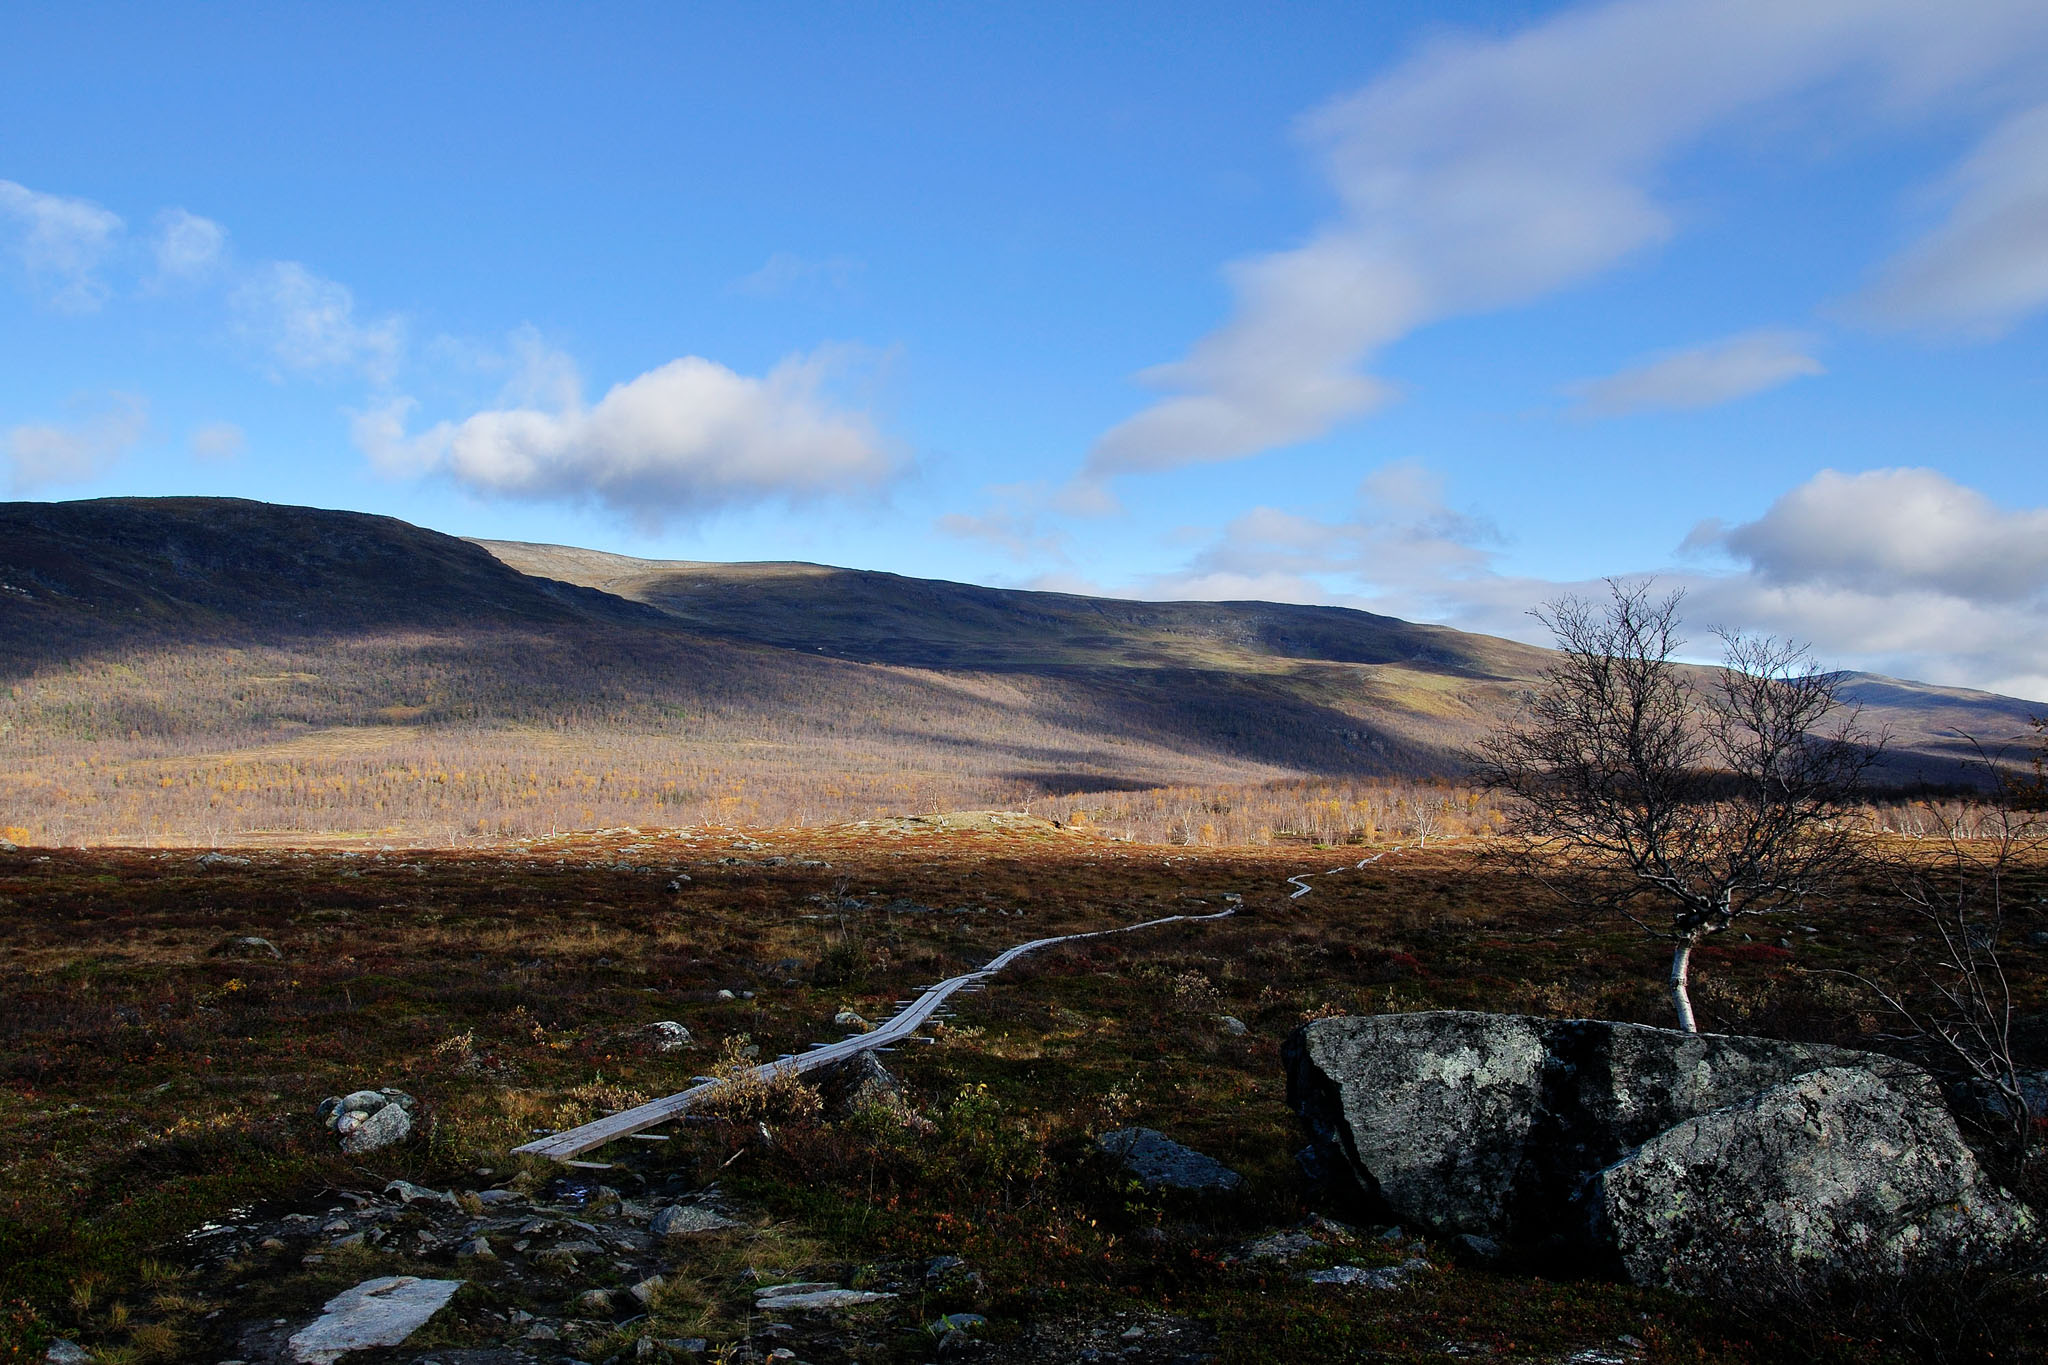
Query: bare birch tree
{"type": "Point", "coordinates": [1685, 802]}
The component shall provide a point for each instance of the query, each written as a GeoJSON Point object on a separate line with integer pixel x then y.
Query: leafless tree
{"type": "Point", "coordinates": [1638, 782]}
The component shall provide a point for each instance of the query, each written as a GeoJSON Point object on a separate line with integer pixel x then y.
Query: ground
{"type": "Point", "coordinates": [161, 1074]}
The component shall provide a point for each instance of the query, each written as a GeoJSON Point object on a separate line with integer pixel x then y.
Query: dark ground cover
{"type": "Point", "coordinates": [154, 1075]}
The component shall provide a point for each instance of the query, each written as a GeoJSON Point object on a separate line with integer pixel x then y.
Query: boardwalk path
{"type": "Point", "coordinates": [574, 1142]}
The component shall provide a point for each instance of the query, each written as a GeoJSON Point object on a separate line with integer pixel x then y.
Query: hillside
{"type": "Point", "coordinates": [188, 668]}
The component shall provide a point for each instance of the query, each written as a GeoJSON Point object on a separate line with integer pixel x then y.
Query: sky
{"type": "Point", "coordinates": [1441, 310]}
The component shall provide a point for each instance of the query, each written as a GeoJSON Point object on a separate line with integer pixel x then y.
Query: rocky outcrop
{"type": "Point", "coordinates": [1629, 1144]}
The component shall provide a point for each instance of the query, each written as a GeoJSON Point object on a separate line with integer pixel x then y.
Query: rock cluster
{"type": "Point", "coordinates": [1695, 1161]}
{"type": "Point", "coordinates": [368, 1120]}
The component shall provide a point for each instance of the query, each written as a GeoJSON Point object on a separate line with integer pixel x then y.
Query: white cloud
{"type": "Point", "coordinates": [1893, 531]}
{"type": "Point", "coordinates": [1703, 376]}
{"type": "Point", "coordinates": [188, 248]}
{"type": "Point", "coordinates": [42, 454]}
{"type": "Point", "coordinates": [787, 275]}
{"type": "Point", "coordinates": [684, 438]}
{"type": "Point", "coordinates": [218, 441]}
{"type": "Point", "coordinates": [1986, 267]}
{"type": "Point", "coordinates": [308, 323]}
{"type": "Point", "coordinates": [1898, 571]}
{"type": "Point", "coordinates": [1484, 174]}
{"type": "Point", "coordinates": [61, 243]}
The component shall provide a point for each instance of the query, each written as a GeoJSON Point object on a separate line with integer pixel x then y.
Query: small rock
{"type": "Point", "coordinates": [664, 1035]}
{"type": "Point", "coordinates": [493, 1198]}
{"type": "Point", "coordinates": [645, 1291]}
{"type": "Point", "coordinates": [387, 1126]}
{"type": "Point", "coordinates": [244, 945]}
{"type": "Point", "coordinates": [727, 995]}
{"type": "Point", "coordinates": [960, 1322]}
{"type": "Point", "coordinates": [270, 1244]}
{"type": "Point", "coordinates": [684, 1220]}
{"type": "Point", "coordinates": [380, 1312]}
{"type": "Point", "coordinates": [821, 1300]}
{"type": "Point", "coordinates": [677, 882]}
{"type": "Point", "coordinates": [596, 1303]}
{"type": "Point", "coordinates": [64, 1352]}
{"type": "Point", "coordinates": [220, 860]}
{"type": "Point", "coordinates": [1472, 1249]}
{"type": "Point", "coordinates": [1232, 1025]}
{"type": "Point", "coordinates": [846, 1018]}
{"type": "Point", "coordinates": [1159, 1161]}
{"type": "Point", "coordinates": [1358, 1276]}
{"type": "Point", "coordinates": [409, 1193]}
{"type": "Point", "coordinates": [689, 1346]}
{"type": "Point", "coordinates": [476, 1249]}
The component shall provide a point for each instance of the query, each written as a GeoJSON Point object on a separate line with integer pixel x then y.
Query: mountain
{"type": "Point", "coordinates": [137, 633]}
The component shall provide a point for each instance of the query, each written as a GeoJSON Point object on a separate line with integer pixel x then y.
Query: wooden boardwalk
{"type": "Point", "coordinates": [897, 1028]}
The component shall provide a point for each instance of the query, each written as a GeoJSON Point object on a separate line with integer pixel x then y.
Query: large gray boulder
{"type": "Point", "coordinates": [1490, 1124]}
{"type": "Point", "coordinates": [1698, 1162]}
{"type": "Point", "coordinates": [1839, 1173]}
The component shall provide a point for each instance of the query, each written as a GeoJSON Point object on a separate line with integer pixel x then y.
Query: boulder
{"type": "Point", "coordinates": [1491, 1123]}
{"type": "Point", "coordinates": [1700, 1162]}
{"type": "Point", "coordinates": [1839, 1173]}
{"type": "Point", "coordinates": [1161, 1163]}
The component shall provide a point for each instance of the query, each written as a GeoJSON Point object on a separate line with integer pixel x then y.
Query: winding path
{"type": "Point", "coordinates": [898, 1027]}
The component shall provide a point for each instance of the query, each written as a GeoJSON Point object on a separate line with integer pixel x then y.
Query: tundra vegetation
{"type": "Point", "coordinates": [160, 1071]}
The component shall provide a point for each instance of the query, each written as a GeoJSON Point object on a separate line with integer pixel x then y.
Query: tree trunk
{"type": "Point", "coordinates": [1681, 963]}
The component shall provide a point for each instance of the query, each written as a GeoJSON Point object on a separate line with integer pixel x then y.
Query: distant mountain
{"type": "Point", "coordinates": [1049, 690]}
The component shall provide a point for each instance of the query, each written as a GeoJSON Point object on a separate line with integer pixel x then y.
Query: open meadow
{"type": "Point", "coordinates": [161, 1075]}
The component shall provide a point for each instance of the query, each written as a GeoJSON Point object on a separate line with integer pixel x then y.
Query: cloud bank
{"type": "Point", "coordinates": [1480, 175]}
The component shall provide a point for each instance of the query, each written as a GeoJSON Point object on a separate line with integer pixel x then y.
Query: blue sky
{"type": "Point", "coordinates": [1436, 309]}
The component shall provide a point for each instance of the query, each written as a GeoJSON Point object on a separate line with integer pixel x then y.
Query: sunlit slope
{"type": "Point", "coordinates": [1419, 692]}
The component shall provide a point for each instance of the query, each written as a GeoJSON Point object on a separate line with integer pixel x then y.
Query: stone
{"type": "Point", "coordinates": [663, 1035]}
{"type": "Point", "coordinates": [495, 1198]}
{"type": "Point", "coordinates": [64, 1352]}
{"type": "Point", "coordinates": [821, 1300]}
{"type": "Point", "coordinates": [409, 1193]}
{"type": "Point", "coordinates": [960, 1322]}
{"type": "Point", "coordinates": [220, 860]}
{"type": "Point", "coordinates": [1839, 1173]}
{"type": "Point", "coordinates": [1278, 1246]}
{"type": "Point", "coordinates": [685, 1220]}
{"type": "Point", "coordinates": [1159, 1162]}
{"type": "Point", "coordinates": [244, 945]}
{"type": "Point", "coordinates": [846, 1018]}
{"type": "Point", "coordinates": [1491, 1123]}
{"type": "Point", "coordinates": [387, 1126]}
{"type": "Point", "coordinates": [1232, 1025]}
{"type": "Point", "coordinates": [596, 1303]}
{"type": "Point", "coordinates": [476, 1249]}
{"type": "Point", "coordinates": [645, 1292]}
{"type": "Point", "coordinates": [380, 1312]}
{"type": "Point", "coordinates": [860, 1082]}
{"type": "Point", "coordinates": [1362, 1277]}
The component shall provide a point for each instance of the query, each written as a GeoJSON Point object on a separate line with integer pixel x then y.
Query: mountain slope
{"type": "Point", "coordinates": [303, 669]}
